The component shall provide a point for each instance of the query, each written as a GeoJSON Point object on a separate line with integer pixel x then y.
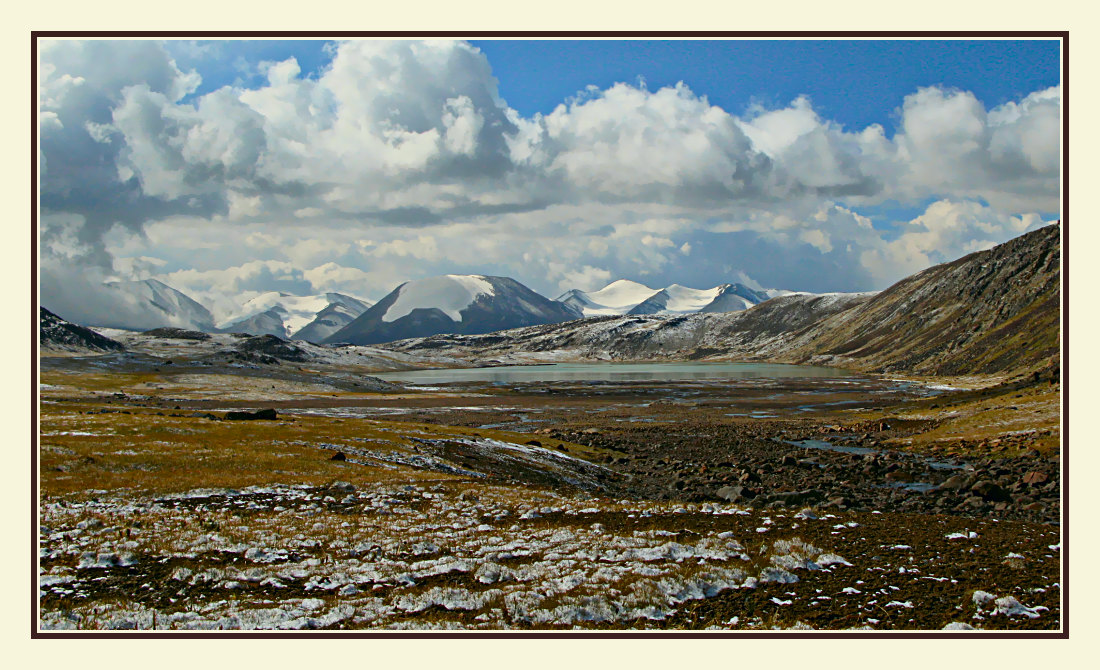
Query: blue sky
{"type": "Point", "coordinates": [807, 165]}
{"type": "Point", "coordinates": [854, 82]}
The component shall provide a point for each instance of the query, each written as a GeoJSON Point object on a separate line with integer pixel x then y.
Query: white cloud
{"type": "Point", "coordinates": [816, 238]}
{"type": "Point", "coordinates": [400, 160]}
{"type": "Point", "coordinates": [587, 278]}
{"type": "Point", "coordinates": [950, 145]}
{"type": "Point", "coordinates": [422, 248]}
{"type": "Point", "coordinates": [945, 231]}
{"type": "Point", "coordinates": [333, 277]}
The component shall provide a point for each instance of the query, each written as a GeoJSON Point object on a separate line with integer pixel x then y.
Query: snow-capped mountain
{"type": "Point", "coordinates": [468, 304]}
{"type": "Point", "coordinates": [738, 297]}
{"type": "Point", "coordinates": [149, 303]}
{"type": "Point", "coordinates": [338, 314]}
{"type": "Point", "coordinates": [615, 299]}
{"type": "Point", "coordinates": [311, 318]}
{"type": "Point", "coordinates": [629, 297]}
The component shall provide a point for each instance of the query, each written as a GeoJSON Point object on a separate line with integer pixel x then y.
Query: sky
{"type": "Point", "coordinates": [228, 169]}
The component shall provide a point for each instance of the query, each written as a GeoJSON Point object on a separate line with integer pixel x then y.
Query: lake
{"type": "Point", "coordinates": [611, 372]}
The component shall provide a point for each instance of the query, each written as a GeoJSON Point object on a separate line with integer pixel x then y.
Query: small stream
{"type": "Point", "coordinates": [922, 487]}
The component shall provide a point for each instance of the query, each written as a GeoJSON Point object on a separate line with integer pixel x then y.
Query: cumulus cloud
{"type": "Point", "coordinates": [945, 231]}
{"type": "Point", "coordinates": [950, 144]}
{"type": "Point", "coordinates": [400, 160]}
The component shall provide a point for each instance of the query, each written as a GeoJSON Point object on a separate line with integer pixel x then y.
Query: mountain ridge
{"type": "Point", "coordinates": [626, 297]}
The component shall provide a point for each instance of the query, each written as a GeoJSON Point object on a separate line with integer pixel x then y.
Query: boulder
{"type": "Point", "coordinates": [1035, 477]}
{"type": "Point", "coordinates": [990, 491]}
{"type": "Point", "coordinates": [731, 493]}
{"type": "Point", "coordinates": [953, 483]}
{"type": "Point", "coordinates": [258, 415]}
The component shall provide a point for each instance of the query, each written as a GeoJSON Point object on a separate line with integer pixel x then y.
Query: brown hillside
{"type": "Point", "coordinates": [990, 312]}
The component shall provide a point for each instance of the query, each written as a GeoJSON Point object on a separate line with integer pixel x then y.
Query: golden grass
{"type": "Point", "coordinates": [154, 452]}
{"type": "Point", "coordinates": [999, 425]}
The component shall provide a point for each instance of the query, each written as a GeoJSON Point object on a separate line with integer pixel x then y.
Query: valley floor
{"type": "Point", "coordinates": [857, 503]}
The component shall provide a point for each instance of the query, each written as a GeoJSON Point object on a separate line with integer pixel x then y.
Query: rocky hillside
{"type": "Point", "coordinates": [749, 334]}
{"type": "Point", "coordinates": [57, 334]}
{"type": "Point", "coordinates": [992, 311]}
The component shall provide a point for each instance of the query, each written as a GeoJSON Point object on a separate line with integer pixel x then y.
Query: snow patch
{"type": "Point", "coordinates": [449, 294]}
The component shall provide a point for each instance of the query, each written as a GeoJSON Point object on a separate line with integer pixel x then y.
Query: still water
{"type": "Point", "coordinates": [612, 372]}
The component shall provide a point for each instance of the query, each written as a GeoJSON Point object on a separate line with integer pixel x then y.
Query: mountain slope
{"type": "Point", "coordinates": [452, 304]}
{"type": "Point", "coordinates": [991, 311]}
{"type": "Point", "coordinates": [149, 303]}
{"type": "Point", "coordinates": [57, 334]}
{"type": "Point", "coordinates": [311, 318]}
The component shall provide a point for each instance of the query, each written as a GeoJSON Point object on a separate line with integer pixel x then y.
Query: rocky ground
{"type": "Point", "coordinates": [854, 503]}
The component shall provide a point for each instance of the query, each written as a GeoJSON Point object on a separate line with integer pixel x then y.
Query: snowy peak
{"type": "Point", "coordinates": [617, 298]}
{"type": "Point", "coordinates": [738, 297]}
{"type": "Point", "coordinates": [150, 303]}
{"type": "Point", "coordinates": [629, 297]}
{"type": "Point", "coordinates": [470, 304]}
{"type": "Point", "coordinates": [678, 299]}
{"type": "Point", "coordinates": [312, 317]}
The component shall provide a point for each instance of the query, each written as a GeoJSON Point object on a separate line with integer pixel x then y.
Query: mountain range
{"type": "Point", "coordinates": [437, 301]}
{"type": "Point", "coordinates": [990, 312]}
{"type": "Point", "coordinates": [951, 317]}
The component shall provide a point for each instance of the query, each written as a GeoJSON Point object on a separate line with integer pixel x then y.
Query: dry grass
{"type": "Point", "coordinates": [994, 422]}
{"type": "Point", "coordinates": [149, 451]}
